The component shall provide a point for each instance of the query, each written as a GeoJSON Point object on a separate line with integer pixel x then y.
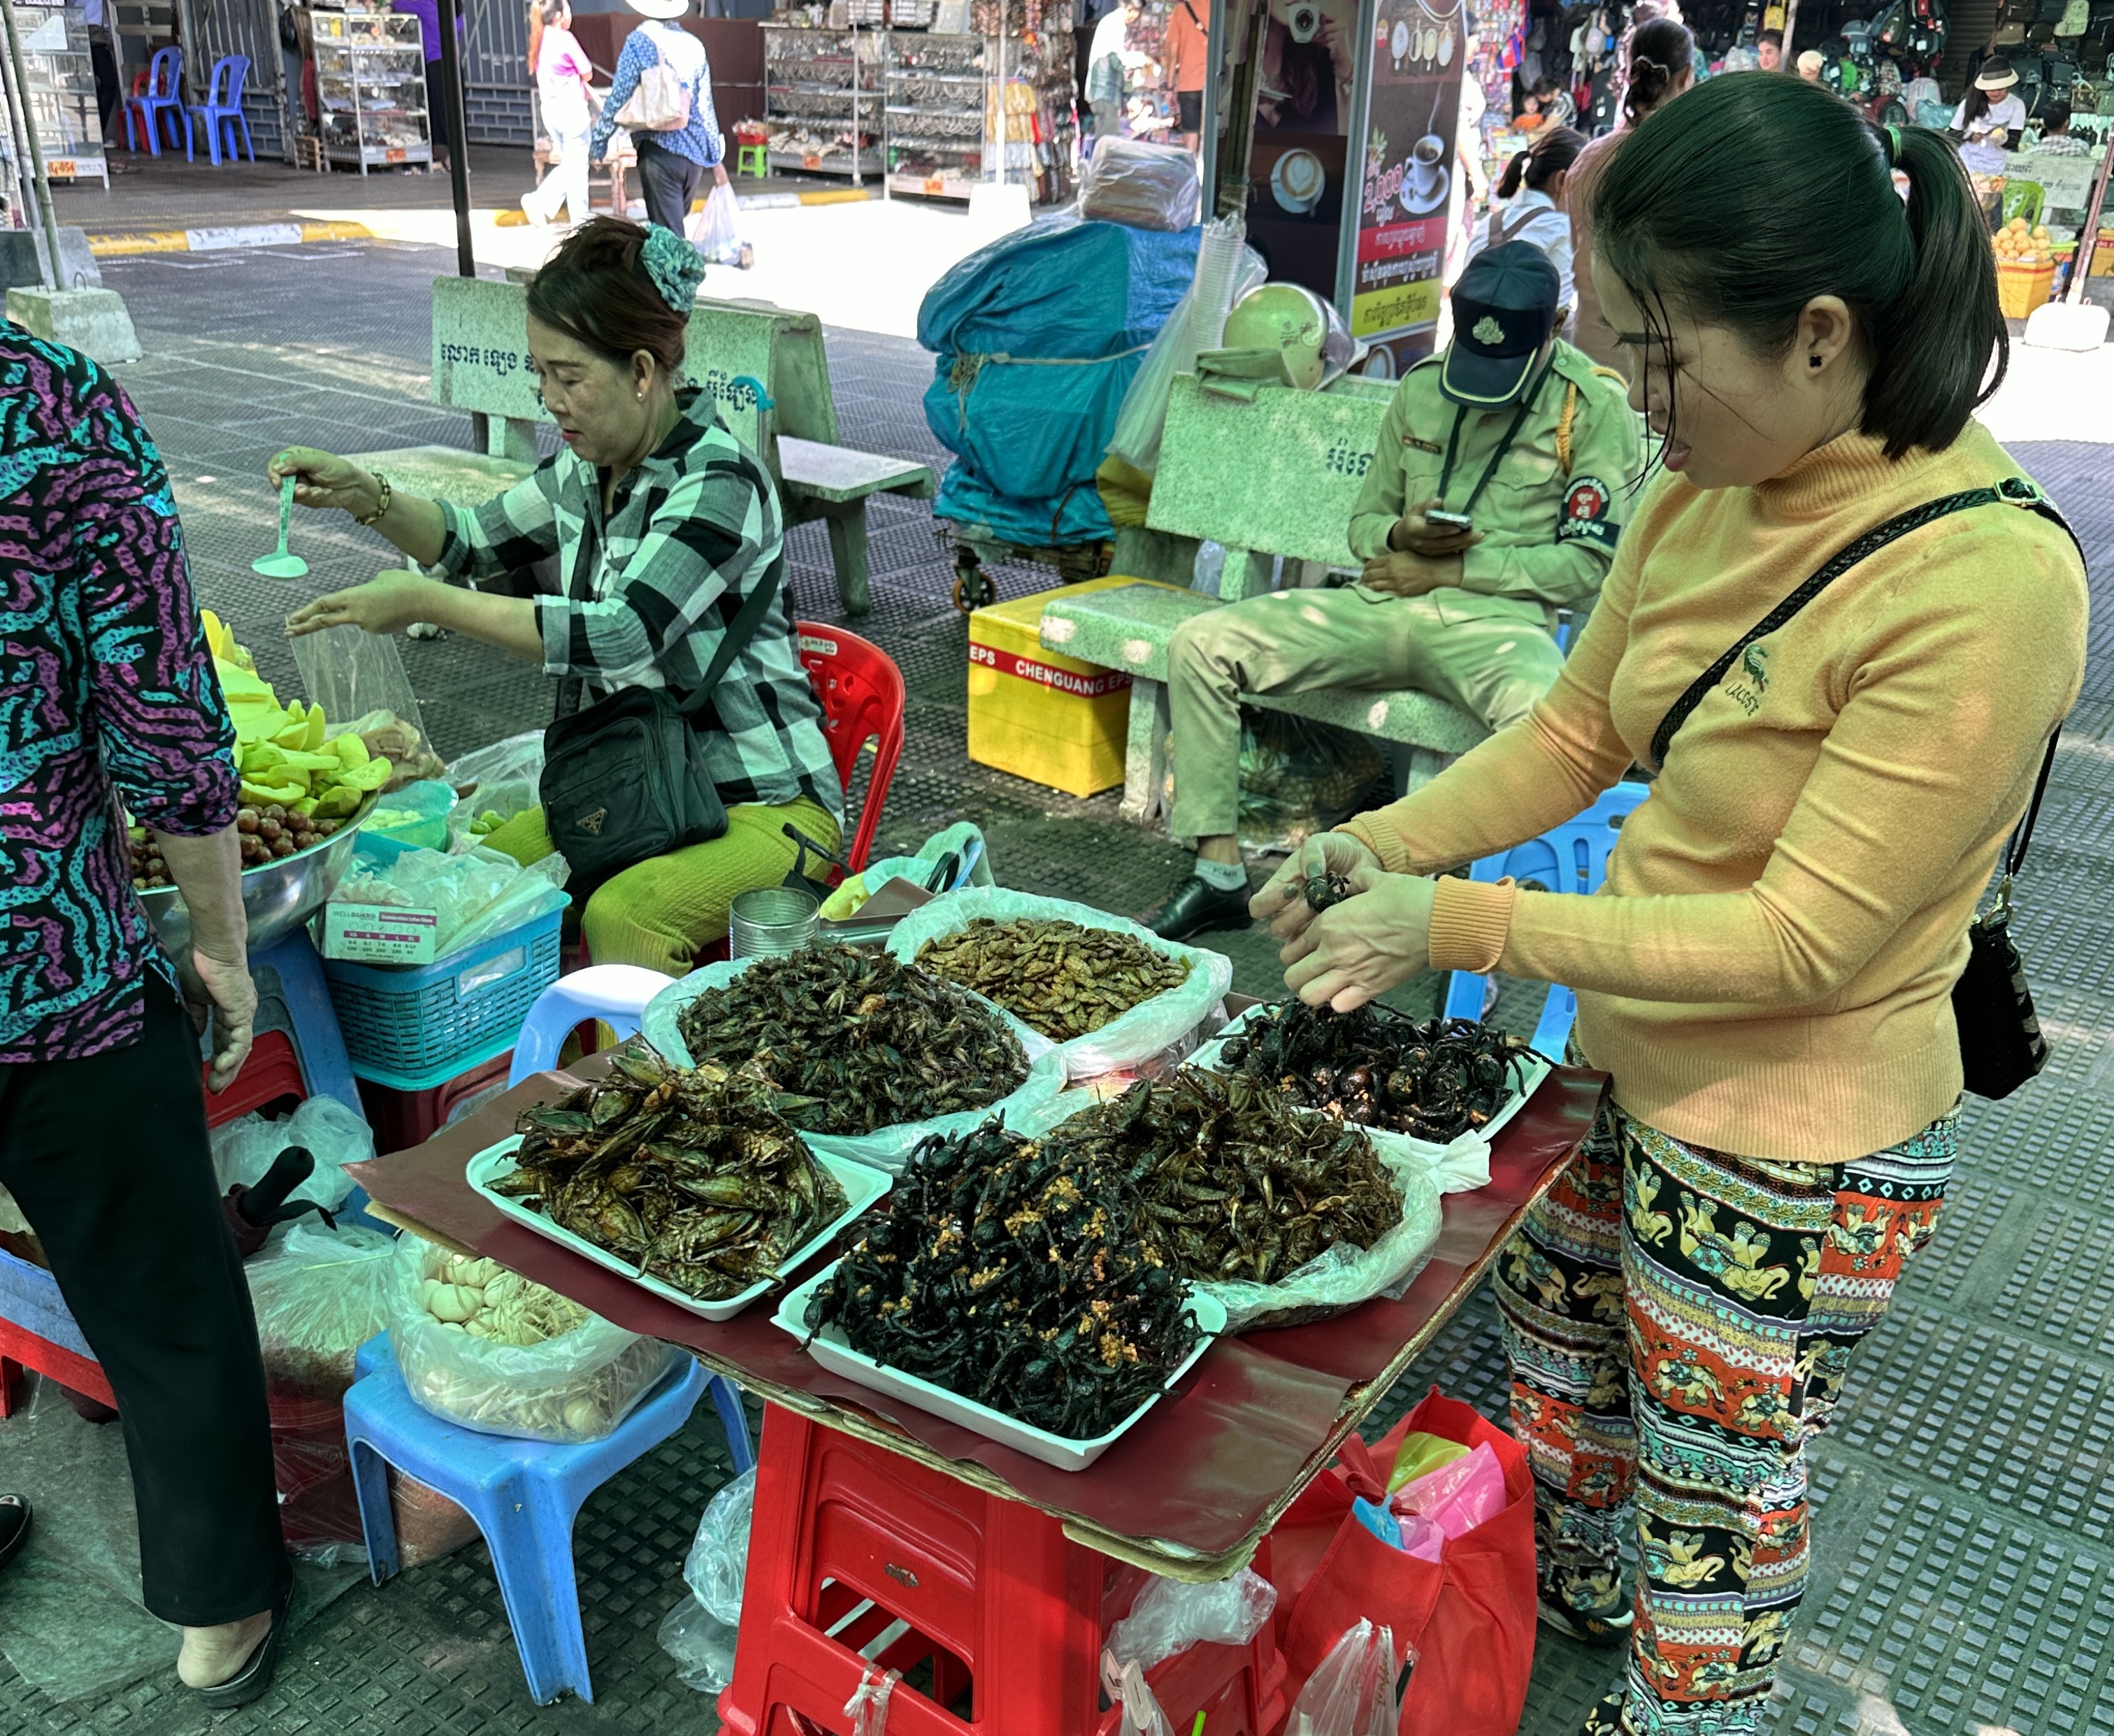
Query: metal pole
{"type": "Point", "coordinates": [452, 94]}
{"type": "Point", "coordinates": [1239, 141]}
{"type": "Point", "coordinates": [25, 189]}
{"type": "Point", "coordinates": [1791, 26]}
{"type": "Point", "coordinates": [856, 182]}
{"type": "Point", "coordinates": [36, 151]}
{"type": "Point", "coordinates": [2088, 237]}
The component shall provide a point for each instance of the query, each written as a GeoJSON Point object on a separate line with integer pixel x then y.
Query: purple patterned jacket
{"type": "Point", "coordinates": [105, 685]}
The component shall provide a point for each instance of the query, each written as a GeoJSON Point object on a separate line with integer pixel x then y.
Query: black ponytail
{"type": "Point", "coordinates": [1554, 151]}
{"type": "Point", "coordinates": [1932, 350]}
{"type": "Point", "coordinates": [1514, 170]}
{"type": "Point", "coordinates": [1661, 50]}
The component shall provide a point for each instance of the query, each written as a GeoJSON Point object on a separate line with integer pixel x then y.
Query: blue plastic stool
{"type": "Point", "coordinates": [616, 994]}
{"type": "Point", "coordinates": [223, 107]}
{"type": "Point", "coordinates": [1570, 858]}
{"type": "Point", "coordinates": [523, 1495]}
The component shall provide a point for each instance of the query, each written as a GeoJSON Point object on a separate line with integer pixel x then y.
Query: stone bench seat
{"type": "Point", "coordinates": [1127, 628]}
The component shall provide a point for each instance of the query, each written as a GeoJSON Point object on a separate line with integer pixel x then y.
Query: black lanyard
{"type": "Point", "coordinates": [1504, 446]}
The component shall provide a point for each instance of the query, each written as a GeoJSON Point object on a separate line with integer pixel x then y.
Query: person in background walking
{"type": "Point", "coordinates": [1661, 53]}
{"type": "Point", "coordinates": [672, 160]}
{"type": "Point", "coordinates": [562, 77]}
{"type": "Point", "coordinates": [1188, 59]}
{"type": "Point", "coordinates": [1106, 64]}
{"type": "Point", "coordinates": [1532, 186]}
{"type": "Point", "coordinates": [439, 123]}
{"type": "Point", "coordinates": [107, 695]}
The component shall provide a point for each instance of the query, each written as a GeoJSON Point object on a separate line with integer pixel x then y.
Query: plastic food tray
{"type": "Point", "coordinates": [835, 1354]}
{"type": "Point", "coordinates": [861, 1187]}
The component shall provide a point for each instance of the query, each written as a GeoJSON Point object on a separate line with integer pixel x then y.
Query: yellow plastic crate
{"type": "Point", "coordinates": [1038, 714]}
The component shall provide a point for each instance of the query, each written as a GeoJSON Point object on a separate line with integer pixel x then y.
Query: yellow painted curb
{"type": "Point", "coordinates": [157, 240]}
{"type": "Point", "coordinates": [835, 196]}
{"type": "Point", "coordinates": [336, 231]}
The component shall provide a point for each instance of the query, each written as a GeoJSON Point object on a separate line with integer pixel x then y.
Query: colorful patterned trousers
{"type": "Point", "coordinates": [1680, 1321]}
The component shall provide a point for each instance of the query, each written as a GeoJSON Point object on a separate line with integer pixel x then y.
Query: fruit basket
{"type": "Point", "coordinates": [276, 896]}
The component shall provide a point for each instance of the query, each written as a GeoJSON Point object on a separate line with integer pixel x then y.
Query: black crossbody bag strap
{"type": "Point", "coordinates": [2014, 491]}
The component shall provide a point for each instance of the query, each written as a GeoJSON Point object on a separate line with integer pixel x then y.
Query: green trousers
{"type": "Point", "coordinates": [1494, 665]}
{"type": "Point", "coordinates": [663, 912]}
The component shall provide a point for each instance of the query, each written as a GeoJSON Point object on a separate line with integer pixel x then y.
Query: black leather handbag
{"type": "Point", "coordinates": [624, 779]}
{"type": "Point", "coordinates": [2001, 1044]}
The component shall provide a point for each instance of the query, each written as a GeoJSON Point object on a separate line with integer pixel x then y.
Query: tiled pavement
{"type": "Point", "coordinates": [1963, 1569]}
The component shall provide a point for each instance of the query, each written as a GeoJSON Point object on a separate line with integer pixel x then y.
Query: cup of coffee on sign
{"type": "Point", "coordinates": [1297, 181]}
{"type": "Point", "coordinates": [1425, 158]}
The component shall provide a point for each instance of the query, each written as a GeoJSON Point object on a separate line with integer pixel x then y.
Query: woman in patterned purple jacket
{"type": "Point", "coordinates": [107, 695]}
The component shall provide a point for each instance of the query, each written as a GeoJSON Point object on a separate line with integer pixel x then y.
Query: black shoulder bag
{"type": "Point", "coordinates": [2001, 1044]}
{"type": "Point", "coordinates": [624, 779]}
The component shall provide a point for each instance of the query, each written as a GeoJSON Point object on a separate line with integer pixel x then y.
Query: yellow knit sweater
{"type": "Point", "coordinates": [1769, 969]}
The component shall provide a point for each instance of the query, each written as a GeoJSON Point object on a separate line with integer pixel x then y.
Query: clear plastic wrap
{"type": "Point", "coordinates": [1127, 1041]}
{"type": "Point", "coordinates": [476, 893]}
{"type": "Point", "coordinates": [492, 784]}
{"type": "Point", "coordinates": [699, 1632]}
{"type": "Point", "coordinates": [1170, 1617]}
{"type": "Point", "coordinates": [1298, 777]}
{"type": "Point", "coordinates": [318, 1297]}
{"type": "Point", "coordinates": [1227, 269]}
{"type": "Point", "coordinates": [243, 1149]}
{"type": "Point", "coordinates": [702, 1646]}
{"type": "Point", "coordinates": [1352, 1692]}
{"type": "Point", "coordinates": [1140, 185]}
{"type": "Point", "coordinates": [573, 1387]}
{"type": "Point", "coordinates": [887, 1147]}
{"type": "Point", "coordinates": [867, 1708]}
{"type": "Point", "coordinates": [360, 681]}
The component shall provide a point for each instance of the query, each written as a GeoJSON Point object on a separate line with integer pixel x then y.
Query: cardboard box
{"type": "Point", "coordinates": [1041, 714]}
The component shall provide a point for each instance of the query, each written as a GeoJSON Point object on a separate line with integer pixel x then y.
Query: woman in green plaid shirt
{"type": "Point", "coordinates": [662, 523]}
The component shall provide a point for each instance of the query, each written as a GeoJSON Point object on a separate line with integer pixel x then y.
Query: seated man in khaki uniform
{"type": "Point", "coordinates": [1496, 498]}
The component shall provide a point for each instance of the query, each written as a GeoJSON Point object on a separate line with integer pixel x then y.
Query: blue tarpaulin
{"type": "Point", "coordinates": [1038, 337]}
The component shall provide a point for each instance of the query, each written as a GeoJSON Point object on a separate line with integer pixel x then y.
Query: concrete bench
{"type": "Point", "coordinates": [481, 364]}
{"type": "Point", "coordinates": [1295, 502]}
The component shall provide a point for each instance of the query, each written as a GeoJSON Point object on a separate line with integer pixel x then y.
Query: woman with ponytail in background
{"type": "Point", "coordinates": [1767, 973]}
{"type": "Point", "coordinates": [1661, 66]}
{"type": "Point", "coordinates": [1531, 193]}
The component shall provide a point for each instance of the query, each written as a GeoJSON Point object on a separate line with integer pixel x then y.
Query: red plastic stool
{"type": "Point", "coordinates": [404, 1118]}
{"type": "Point", "coordinates": [848, 1539]}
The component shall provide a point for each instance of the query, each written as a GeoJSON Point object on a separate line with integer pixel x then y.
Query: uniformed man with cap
{"type": "Point", "coordinates": [1495, 498]}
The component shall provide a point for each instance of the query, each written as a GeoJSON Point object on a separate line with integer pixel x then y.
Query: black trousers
{"type": "Point", "coordinates": [109, 1159]}
{"type": "Point", "coordinates": [667, 181]}
{"type": "Point", "coordinates": [105, 64]}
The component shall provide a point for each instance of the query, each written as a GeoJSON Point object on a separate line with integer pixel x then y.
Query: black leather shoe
{"type": "Point", "coordinates": [15, 1517]}
{"type": "Point", "coordinates": [1197, 907]}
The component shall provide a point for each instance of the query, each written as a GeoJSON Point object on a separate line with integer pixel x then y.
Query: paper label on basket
{"type": "Point", "coordinates": [379, 934]}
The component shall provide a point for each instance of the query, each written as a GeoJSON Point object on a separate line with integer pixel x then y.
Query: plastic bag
{"type": "Point", "coordinates": [702, 1646]}
{"type": "Point", "coordinates": [476, 894]}
{"type": "Point", "coordinates": [493, 784]}
{"type": "Point", "coordinates": [1170, 1617]}
{"type": "Point", "coordinates": [887, 1147]}
{"type": "Point", "coordinates": [358, 680]}
{"type": "Point", "coordinates": [318, 1297]}
{"type": "Point", "coordinates": [853, 893]}
{"type": "Point", "coordinates": [1352, 1694]}
{"type": "Point", "coordinates": [867, 1708]}
{"type": "Point", "coordinates": [415, 816]}
{"type": "Point", "coordinates": [1226, 270]}
{"type": "Point", "coordinates": [715, 230]}
{"type": "Point", "coordinates": [1449, 1502]}
{"type": "Point", "coordinates": [1298, 777]}
{"type": "Point", "coordinates": [1125, 1041]}
{"type": "Point", "coordinates": [574, 1387]}
{"type": "Point", "coordinates": [718, 1565]}
{"type": "Point", "coordinates": [243, 1149]}
{"type": "Point", "coordinates": [1140, 185]}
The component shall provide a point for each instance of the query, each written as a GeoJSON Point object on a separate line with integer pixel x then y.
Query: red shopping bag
{"type": "Point", "coordinates": [1470, 1616]}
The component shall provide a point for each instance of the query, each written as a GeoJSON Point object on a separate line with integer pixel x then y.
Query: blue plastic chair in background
{"type": "Point", "coordinates": [614, 994]}
{"type": "Point", "coordinates": [1570, 858]}
{"type": "Point", "coordinates": [162, 99]}
{"type": "Point", "coordinates": [223, 107]}
{"type": "Point", "coordinates": [524, 1495]}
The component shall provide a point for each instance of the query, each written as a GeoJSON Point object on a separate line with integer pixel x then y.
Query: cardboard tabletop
{"type": "Point", "coordinates": [1207, 1472]}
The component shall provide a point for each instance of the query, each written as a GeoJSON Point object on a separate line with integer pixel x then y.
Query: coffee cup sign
{"type": "Point", "coordinates": [1425, 158]}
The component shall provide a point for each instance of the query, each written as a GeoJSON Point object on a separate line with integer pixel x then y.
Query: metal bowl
{"type": "Point", "coordinates": [276, 898]}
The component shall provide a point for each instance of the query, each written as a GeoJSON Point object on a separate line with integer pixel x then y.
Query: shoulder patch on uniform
{"type": "Point", "coordinates": [1583, 518]}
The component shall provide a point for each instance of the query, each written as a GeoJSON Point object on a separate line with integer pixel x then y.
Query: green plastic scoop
{"type": "Point", "coordinates": [279, 564]}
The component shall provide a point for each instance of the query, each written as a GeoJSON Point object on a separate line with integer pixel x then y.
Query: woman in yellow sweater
{"type": "Point", "coordinates": [1767, 972]}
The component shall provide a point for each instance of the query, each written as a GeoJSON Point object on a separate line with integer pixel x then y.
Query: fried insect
{"type": "Point", "coordinates": [856, 1040]}
{"type": "Point", "coordinates": [1060, 978]}
{"type": "Point", "coordinates": [1324, 891]}
{"type": "Point", "coordinates": [1012, 1273]}
{"type": "Point", "coordinates": [692, 1174]}
{"type": "Point", "coordinates": [1239, 1185]}
{"type": "Point", "coordinates": [1383, 1067]}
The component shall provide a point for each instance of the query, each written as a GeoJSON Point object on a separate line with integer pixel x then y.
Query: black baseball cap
{"type": "Point", "coordinates": [1504, 309]}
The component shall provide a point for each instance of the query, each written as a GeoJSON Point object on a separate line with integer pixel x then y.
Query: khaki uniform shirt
{"type": "Point", "coordinates": [1553, 509]}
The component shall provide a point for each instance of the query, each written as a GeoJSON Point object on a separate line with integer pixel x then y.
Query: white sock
{"type": "Point", "coordinates": [1222, 876]}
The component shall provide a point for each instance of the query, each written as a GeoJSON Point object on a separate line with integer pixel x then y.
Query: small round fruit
{"type": "Point", "coordinates": [276, 811]}
{"type": "Point", "coordinates": [283, 847]}
{"type": "Point", "coordinates": [324, 828]}
{"type": "Point", "coordinates": [245, 819]}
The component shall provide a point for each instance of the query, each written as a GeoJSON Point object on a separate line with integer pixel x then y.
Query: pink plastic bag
{"type": "Point", "coordinates": [1449, 1502]}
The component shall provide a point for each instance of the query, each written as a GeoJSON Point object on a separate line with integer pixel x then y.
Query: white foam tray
{"type": "Point", "coordinates": [862, 1186]}
{"type": "Point", "coordinates": [831, 1350]}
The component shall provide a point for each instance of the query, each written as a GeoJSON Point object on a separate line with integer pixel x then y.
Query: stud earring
{"type": "Point", "coordinates": [1813, 361]}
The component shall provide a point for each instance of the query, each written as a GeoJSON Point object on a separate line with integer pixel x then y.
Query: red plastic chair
{"type": "Point", "coordinates": [861, 693]}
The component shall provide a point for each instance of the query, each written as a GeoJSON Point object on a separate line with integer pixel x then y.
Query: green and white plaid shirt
{"type": "Point", "coordinates": [696, 528]}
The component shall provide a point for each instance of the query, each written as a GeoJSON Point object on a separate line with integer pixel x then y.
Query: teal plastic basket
{"type": "Point", "coordinates": [416, 1020]}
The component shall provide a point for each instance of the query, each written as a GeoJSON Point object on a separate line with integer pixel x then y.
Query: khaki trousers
{"type": "Point", "coordinates": [1493, 665]}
